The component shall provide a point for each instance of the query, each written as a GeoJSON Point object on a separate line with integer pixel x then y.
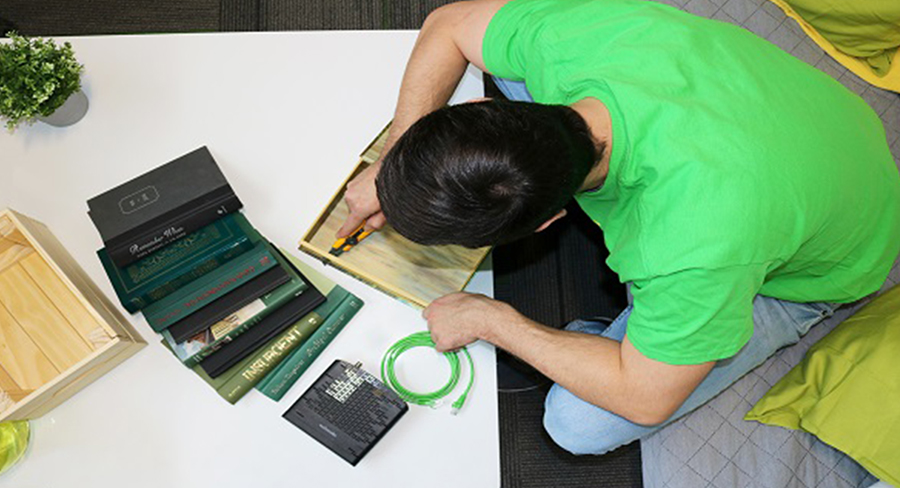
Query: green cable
{"type": "Point", "coordinates": [431, 399]}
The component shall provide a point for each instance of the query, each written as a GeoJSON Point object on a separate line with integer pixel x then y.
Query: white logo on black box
{"type": "Point", "coordinates": [138, 200]}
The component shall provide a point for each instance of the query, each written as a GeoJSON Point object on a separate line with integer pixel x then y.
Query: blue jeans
{"type": "Point", "coordinates": [582, 428]}
{"type": "Point", "coordinates": [514, 90]}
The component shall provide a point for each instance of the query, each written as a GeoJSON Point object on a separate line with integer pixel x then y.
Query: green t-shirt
{"type": "Point", "coordinates": [735, 169]}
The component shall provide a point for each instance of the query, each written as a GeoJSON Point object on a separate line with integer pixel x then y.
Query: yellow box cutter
{"type": "Point", "coordinates": [344, 244]}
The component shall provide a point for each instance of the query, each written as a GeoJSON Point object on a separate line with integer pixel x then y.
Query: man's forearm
{"type": "Point", "coordinates": [435, 68]}
{"type": "Point", "coordinates": [612, 375]}
{"type": "Point", "coordinates": [587, 365]}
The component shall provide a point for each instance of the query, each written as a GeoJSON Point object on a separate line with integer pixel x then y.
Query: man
{"type": "Point", "coordinates": [742, 194]}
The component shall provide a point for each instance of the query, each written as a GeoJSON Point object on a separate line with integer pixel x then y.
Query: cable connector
{"type": "Point", "coordinates": [457, 405]}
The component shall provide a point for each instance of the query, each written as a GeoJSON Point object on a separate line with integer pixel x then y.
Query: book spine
{"type": "Point", "coordinates": [207, 289]}
{"type": "Point", "coordinates": [268, 358]}
{"type": "Point", "coordinates": [280, 380]}
{"type": "Point", "coordinates": [227, 237]}
{"type": "Point", "coordinates": [296, 286]}
{"type": "Point", "coordinates": [211, 263]}
{"type": "Point", "coordinates": [204, 263]}
{"type": "Point", "coordinates": [128, 251]}
{"type": "Point", "coordinates": [130, 303]}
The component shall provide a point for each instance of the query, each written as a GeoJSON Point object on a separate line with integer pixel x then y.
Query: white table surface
{"type": "Point", "coordinates": [286, 116]}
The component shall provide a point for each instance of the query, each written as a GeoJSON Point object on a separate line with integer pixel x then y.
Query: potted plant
{"type": "Point", "coordinates": [40, 80]}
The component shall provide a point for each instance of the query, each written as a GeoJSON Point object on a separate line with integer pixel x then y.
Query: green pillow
{"type": "Point", "coordinates": [868, 29]}
{"type": "Point", "coordinates": [847, 389]}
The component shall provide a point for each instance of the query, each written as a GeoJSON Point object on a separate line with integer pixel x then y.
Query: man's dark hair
{"type": "Point", "coordinates": [484, 173]}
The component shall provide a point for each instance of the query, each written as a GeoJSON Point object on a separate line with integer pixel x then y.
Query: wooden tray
{"type": "Point", "coordinates": [410, 272]}
{"type": "Point", "coordinates": [58, 332]}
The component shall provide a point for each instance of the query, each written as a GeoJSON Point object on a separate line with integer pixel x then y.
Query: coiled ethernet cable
{"type": "Point", "coordinates": [430, 399]}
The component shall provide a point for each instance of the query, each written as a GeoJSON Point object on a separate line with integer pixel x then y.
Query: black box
{"type": "Point", "coordinates": [143, 215]}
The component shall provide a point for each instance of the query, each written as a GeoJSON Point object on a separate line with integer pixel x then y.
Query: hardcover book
{"type": "Point", "coordinates": [235, 382]}
{"type": "Point", "coordinates": [201, 292]}
{"type": "Point", "coordinates": [152, 278]}
{"type": "Point", "coordinates": [209, 339]}
{"type": "Point", "coordinates": [413, 273]}
{"type": "Point", "coordinates": [275, 384]}
{"type": "Point", "coordinates": [161, 206]}
{"type": "Point", "coordinates": [261, 365]}
{"type": "Point", "coordinates": [245, 344]}
{"type": "Point", "coordinates": [229, 303]}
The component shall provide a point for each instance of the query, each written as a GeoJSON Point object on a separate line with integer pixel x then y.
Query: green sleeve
{"type": "Point", "coordinates": [519, 41]}
{"type": "Point", "coordinates": [696, 315]}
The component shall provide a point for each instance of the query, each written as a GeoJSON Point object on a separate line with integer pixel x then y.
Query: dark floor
{"type": "Point", "coordinates": [552, 277]}
{"type": "Point", "coordinates": [90, 17]}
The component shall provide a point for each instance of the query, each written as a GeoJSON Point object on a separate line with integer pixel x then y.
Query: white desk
{"type": "Point", "coordinates": [286, 116]}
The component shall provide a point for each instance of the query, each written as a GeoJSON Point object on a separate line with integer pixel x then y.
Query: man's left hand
{"type": "Point", "coordinates": [458, 319]}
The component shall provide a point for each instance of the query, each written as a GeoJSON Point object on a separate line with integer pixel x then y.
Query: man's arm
{"type": "Point", "coordinates": [449, 40]}
{"type": "Point", "coordinates": [614, 376]}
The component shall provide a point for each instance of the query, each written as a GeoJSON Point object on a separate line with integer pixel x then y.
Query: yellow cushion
{"type": "Point", "coordinates": [862, 35]}
{"type": "Point", "coordinates": [847, 390]}
{"type": "Point", "coordinates": [861, 28]}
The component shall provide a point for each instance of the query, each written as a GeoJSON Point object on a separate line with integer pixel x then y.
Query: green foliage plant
{"type": "Point", "coordinates": [36, 78]}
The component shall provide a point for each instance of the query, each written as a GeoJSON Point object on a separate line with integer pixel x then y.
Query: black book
{"type": "Point", "coordinates": [347, 410]}
{"type": "Point", "coordinates": [229, 303]}
{"type": "Point", "coordinates": [263, 332]}
{"type": "Point", "coordinates": [141, 216]}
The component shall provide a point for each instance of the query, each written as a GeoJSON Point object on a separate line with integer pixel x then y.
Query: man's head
{"type": "Point", "coordinates": [484, 173]}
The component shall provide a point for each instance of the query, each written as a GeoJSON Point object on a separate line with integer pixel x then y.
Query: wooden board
{"type": "Point", "coordinates": [13, 254]}
{"type": "Point", "coordinates": [10, 234]}
{"type": "Point", "coordinates": [65, 301]}
{"type": "Point", "coordinates": [92, 368]}
{"type": "Point", "coordinates": [10, 388]}
{"type": "Point", "coordinates": [412, 272]}
{"type": "Point", "coordinates": [40, 318]}
{"type": "Point", "coordinates": [20, 357]}
{"type": "Point", "coordinates": [13, 245]}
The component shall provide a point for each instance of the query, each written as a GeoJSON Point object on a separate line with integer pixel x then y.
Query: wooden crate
{"type": "Point", "coordinates": [58, 332]}
{"type": "Point", "coordinates": [411, 272]}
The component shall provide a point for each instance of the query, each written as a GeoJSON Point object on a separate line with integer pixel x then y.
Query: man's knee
{"type": "Point", "coordinates": [562, 428]}
{"type": "Point", "coordinates": [581, 428]}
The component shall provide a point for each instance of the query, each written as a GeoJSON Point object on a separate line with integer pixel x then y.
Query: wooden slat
{"type": "Point", "coordinates": [68, 304]}
{"type": "Point", "coordinates": [10, 233]}
{"type": "Point", "coordinates": [12, 254]}
{"type": "Point", "coordinates": [20, 357]}
{"type": "Point", "coordinates": [40, 319]}
{"type": "Point", "coordinates": [101, 362]}
{"type": "Point", "coordinates": [10, 387]}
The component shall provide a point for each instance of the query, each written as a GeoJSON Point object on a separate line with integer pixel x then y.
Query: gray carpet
{"type": "Point", "coordinates": [94, 17]}
{"type": "Point", "coordinates": [90, 17]}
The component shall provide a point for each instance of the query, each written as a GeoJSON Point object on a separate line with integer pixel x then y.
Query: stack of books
{"type": "Point", "coordinates": [237, 310]}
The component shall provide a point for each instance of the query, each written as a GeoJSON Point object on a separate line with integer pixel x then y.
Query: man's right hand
{"type": "Point", "coordinates": [362, 201]}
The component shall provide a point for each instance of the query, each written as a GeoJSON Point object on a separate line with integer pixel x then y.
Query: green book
{"type": "Point", "coordinates": [152, 278]}
{"type": "Point", "coordinates": [279, 381]}
{"type": "Point", "coordinates": [209, 287]}
{"type": "Point", "coordinates": [197, 348]}
{"type": "Point", "coordinates": [242, 377]}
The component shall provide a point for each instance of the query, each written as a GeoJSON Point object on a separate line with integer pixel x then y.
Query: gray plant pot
{"type": "Point", "coordinates": [72, 111]}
